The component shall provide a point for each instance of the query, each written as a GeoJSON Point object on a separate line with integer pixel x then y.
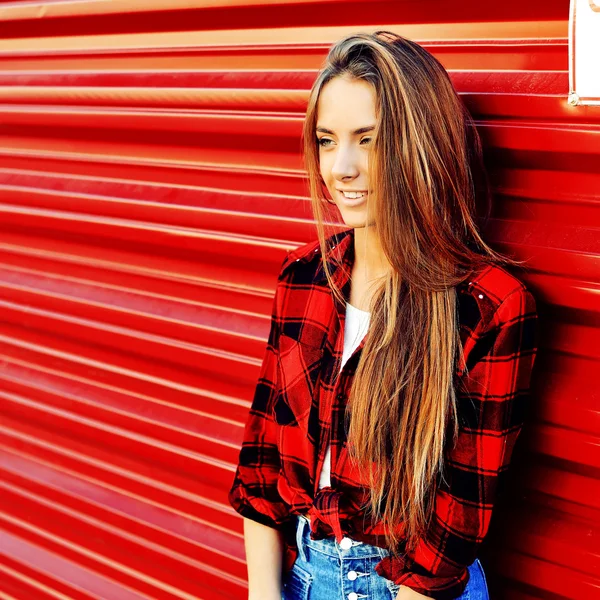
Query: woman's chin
{"type": "Point", "coordinates": [354, 218]}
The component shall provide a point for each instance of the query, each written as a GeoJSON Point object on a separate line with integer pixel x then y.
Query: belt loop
{"type": "Point", "coordinates": [302, 523]}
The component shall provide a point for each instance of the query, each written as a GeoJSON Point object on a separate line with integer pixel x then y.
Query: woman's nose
{"type": "Point", "coordinates": [345, 164]}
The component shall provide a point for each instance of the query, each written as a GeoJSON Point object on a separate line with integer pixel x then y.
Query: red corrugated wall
{"type": "Point", "coordinates": [150, 184]}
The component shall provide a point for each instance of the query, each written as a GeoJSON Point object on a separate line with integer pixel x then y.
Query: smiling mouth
{"type": "Point", "coordinates": [352, 198]}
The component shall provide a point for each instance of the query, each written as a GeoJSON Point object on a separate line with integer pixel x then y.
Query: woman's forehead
{"type": "Point", "coordinates": [346, 104]}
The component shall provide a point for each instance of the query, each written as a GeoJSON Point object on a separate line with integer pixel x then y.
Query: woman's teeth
{"type": "Point", "coordinates": [353, 194]}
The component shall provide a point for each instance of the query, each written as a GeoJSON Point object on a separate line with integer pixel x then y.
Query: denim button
{"type": "Point", "coordinates": [352, 575]}
{"type": "Point", "coordinates": [346, 544]}
{"type": "Point", "coordinates": [352, 596]}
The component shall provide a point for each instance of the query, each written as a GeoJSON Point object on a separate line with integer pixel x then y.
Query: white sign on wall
{"type": "Point", "coordinates": [584, 52]}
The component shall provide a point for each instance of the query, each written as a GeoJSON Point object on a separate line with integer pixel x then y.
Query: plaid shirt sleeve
{"type": "Point", "coordinates": [254, 491]}
{"type": "Point", "coordinates": [492, 396]}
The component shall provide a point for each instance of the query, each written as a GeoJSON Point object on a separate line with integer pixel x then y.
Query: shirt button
{"type": "Point", "coordinates": [352, 575]}
{"type": "Point", "coordinates": [346, 544]}
{"type": "Point", "coordinates": [352, 596]}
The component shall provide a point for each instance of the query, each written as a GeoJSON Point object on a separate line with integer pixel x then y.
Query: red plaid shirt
{"type": "Point", "coordinates": [299, 403]}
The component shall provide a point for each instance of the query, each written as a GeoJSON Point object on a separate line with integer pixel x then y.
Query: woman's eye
{"type": "Point", "coordinates": [329, 142]}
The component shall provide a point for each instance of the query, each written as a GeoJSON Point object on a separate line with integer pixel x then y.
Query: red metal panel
{"type": "Point", "coordinates": [147, 150]}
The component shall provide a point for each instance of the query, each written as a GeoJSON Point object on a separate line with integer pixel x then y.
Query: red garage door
{"type": "Point", "coordinates": [148, 150]}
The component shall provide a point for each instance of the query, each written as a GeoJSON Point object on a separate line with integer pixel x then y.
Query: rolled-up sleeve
{"type": "Point", "coordinates": [492, 397]}
{"type": "Point", "coordinates": [254, 491]}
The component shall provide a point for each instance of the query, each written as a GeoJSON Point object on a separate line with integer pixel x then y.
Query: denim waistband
{"type": "Point", "coordinates": [347, 548]}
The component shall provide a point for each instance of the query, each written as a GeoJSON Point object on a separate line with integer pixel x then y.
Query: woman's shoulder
{"type": "Point", "coordinates": [495, 282]}
{"type": "Point", "coordinates": [303, 254]}
{"type": "Point", "coordinates": [306, 258]}
{"type": "Point", "coordinates": [492, 293]}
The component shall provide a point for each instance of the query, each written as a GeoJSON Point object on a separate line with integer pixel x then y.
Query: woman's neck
{"type": "Point", "coordinates": [370, 262]}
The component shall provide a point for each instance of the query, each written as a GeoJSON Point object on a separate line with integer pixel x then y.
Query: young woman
{"type": "Point", "coordinates": [399, 357]}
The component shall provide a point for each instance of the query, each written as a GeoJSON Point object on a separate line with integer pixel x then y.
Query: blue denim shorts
{"type": "Point", "coordinates": [326, 570]}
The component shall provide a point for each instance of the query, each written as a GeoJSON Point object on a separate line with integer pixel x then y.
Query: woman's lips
{"type": "Point", "coordinates": [351, 202]}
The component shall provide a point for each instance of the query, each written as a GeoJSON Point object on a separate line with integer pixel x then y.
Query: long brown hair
{"type": "Point", "coordinates": [425, 178]}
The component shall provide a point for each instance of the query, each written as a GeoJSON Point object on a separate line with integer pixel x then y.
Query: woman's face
{"type": "Point", "coordinates": [345, 124]}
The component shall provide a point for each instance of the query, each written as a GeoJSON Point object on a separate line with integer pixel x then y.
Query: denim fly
{"type": "Point", "coordinates": [326, 570]}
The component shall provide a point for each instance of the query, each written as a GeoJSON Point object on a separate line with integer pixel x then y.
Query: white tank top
{"type": "Point", "coordinates": [357, 324]}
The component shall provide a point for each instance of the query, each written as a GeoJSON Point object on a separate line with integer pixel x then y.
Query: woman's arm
{"type": "Point", "coordinates": [264, 550]}
{"type": "Point", "coordinates": [254, 493]}
{"type": "Point", "coordinates": [492, 397]}
{"type": "Point", "coordinates": [406, 593]}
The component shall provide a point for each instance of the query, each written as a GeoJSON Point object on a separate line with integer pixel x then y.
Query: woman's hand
{"type": "Point", "coordinates": [406, 593]}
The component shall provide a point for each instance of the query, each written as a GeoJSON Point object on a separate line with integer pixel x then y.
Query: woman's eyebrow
{"type": "Point", "coordinates": [355, 132]}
